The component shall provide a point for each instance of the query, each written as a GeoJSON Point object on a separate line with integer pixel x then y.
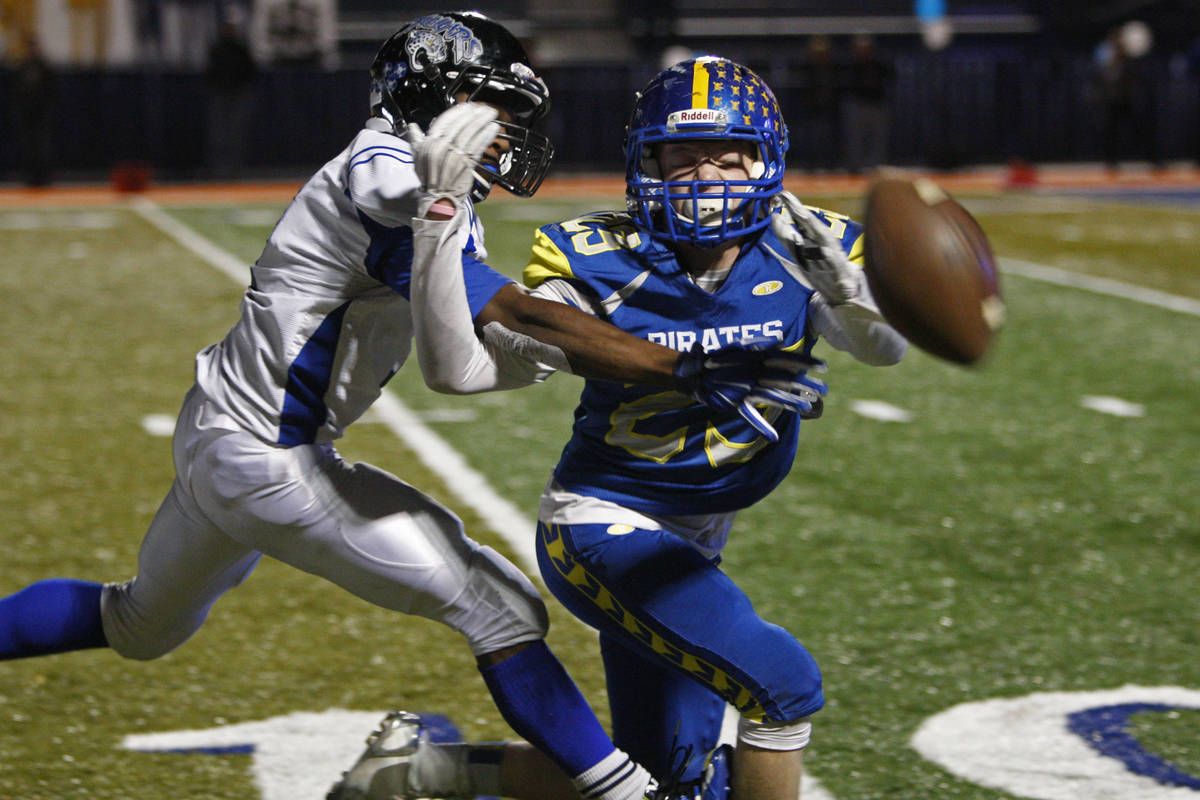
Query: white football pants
{"type": "Point", "coordinates": [236, 498]}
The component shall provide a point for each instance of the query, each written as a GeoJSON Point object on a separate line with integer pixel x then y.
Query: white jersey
{"type": "Point", "coordinates": [326, 320]}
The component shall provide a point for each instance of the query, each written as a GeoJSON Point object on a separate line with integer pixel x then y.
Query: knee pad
{"type": "Point", "coordinates": [132, 632]}
{"type": "Point", "coordinates": [768, 735]}
{"type": "Point", "coordinates": [500, 605]}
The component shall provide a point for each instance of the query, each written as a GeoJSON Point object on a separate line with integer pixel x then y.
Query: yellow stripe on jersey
{"type": "Point", "coordinates": [856, 254]}
{"type": "Point", "coordinates": [699, 84]}
{"type": "Point", "coordinates": [796, 346]}
{"type": "Point", "coordinates": [546, 262]}
{"type": "Point", "coordinates": [599, 595]}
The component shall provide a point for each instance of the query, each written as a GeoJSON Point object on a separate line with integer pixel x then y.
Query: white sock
{"type": "Point", "coordinates": [439, 770]}
{"type": "Point", "coordinates": [617, 777]}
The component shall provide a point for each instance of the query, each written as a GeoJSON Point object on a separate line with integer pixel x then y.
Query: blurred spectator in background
{"type": "Point", "coordinates": [147, 29]}
{"type": "Point", "coordinates": [188, 28]}
{"type": "Point", "coordinates": [865, 114]}
{"type": "Point", "coordinates": [295, 33]}
{"type": "Point", "coordinates": [33, 98]}
{"type": "Point", "coordinates": [230, 78]}
{"type": "Point", "coordinates": [816, 101]}
{"type": "Point", "coordinates": [18, 18]}
{"type": "Point", "coordinates": [1127, 126]}
{"type": "Point", "coordinates": [89, 30]}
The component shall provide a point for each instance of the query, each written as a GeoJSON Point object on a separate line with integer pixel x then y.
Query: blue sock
{"type": "Point", "coordinates": [538, 699]}
{"type": "Point", "coordinates": [51, 616]}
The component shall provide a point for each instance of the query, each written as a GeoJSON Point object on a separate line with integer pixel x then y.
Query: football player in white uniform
{"type": "Point", "coordinates": [325, 322]}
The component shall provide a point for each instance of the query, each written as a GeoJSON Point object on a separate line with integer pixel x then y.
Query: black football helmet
{"type": "Point", "coordinates": [424, 66]}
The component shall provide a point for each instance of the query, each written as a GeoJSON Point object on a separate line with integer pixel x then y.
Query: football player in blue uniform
{"type": "Point", "coordinates": [325, 322]}
{"type": "Point", "coordinates": [710, 251]}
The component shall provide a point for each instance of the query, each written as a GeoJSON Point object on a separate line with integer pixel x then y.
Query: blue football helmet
{"type": "Point", "coordinates": [704, 98]}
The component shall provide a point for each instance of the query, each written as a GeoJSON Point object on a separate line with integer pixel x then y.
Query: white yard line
{"type": "Point", "coordinates": [467, 485]}
{"type": "Point", "coordinates": [1106, 286]}
{"type": "Point", "coordinates": [215, 256]}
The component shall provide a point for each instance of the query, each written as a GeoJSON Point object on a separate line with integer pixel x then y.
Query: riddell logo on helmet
{"type": "Point", "coordinates": [697, 116]}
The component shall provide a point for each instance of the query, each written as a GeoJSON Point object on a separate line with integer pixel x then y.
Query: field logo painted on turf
{"type": "Point", "coordinates": [1060, 745]}
{"type": "Point", "coordinates": [298, 756]}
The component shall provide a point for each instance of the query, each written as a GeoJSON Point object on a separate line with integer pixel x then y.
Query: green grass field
{"type": "Point", "coordinates": [1006, 540]}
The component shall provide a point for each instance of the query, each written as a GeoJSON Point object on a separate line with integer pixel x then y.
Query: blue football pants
{"type": "Point", "coordinates": [679, 639]}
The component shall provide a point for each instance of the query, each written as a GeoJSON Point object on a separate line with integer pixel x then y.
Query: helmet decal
{"type": "Point", "coordinates": [437, 59]}
{"type": "Point", "coordinates": [393, 72]}
{"type": "Point", "coordinates": [433, 37]}
{"type": "Point", "coordinates": [522, 71]}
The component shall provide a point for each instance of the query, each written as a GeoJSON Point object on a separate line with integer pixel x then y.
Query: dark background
{"type": "Point", "coordinates": [1017, 81]}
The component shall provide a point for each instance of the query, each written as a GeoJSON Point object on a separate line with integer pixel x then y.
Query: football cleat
{"type": "Point", "coordinates": [382, 770]}
{"type": "Point", "coordinates": [713, 783]}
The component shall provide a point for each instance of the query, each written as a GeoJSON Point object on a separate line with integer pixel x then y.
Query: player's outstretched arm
{"type": "Point", "coordinates": [519, 339]}
{"type": "Point", "coordinates": [750, 373]}
{"type": "Point", "coordinates": [842, 310]}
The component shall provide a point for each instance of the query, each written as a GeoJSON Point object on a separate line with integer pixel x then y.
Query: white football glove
{"type": "Point", "coordinates": [754, 371]}
{"type": "Point", "coordinates": [816, 250]}
{"type": "Point", "coordinates": [446, 157]}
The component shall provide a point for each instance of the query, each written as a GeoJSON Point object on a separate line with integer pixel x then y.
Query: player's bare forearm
{"type": "Point", "coordinates": [595, 348]}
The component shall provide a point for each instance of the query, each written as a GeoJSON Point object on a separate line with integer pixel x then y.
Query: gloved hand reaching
{"type": "Point", "coordinates": [447, 156]}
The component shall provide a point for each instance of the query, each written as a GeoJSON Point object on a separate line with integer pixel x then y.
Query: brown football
{"type": "Point", "coordinates": [931, 269]}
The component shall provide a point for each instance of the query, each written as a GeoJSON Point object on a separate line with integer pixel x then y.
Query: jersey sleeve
{"type": "Point", "coordinates": [848, 231]}
{"type": "Point", "coordinates": [855, 327]}
{"type": "Point", "coordinates": [547, 259]}
{"type": "Point", "coordinates": [449, 289]}
{"type": "Point", "coordinates": [380, 178]}
{"type": "Point", "coordinates": [482, 283]}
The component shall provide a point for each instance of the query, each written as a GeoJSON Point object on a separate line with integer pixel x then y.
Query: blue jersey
{"type": "Point", "coordinates": [656, 451]}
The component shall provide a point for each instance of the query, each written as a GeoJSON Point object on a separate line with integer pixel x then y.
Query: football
{"type": "Point", "coordinates": [931, 269]}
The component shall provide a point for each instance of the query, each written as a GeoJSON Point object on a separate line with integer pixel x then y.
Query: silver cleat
{"type": "Point", "coordinates": [382, 770]}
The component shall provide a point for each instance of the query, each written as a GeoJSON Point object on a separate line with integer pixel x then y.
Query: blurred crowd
{"type": "Point", "coordinates": [168, 33]}
{"type": "Point", "coordinates": [856, 100]}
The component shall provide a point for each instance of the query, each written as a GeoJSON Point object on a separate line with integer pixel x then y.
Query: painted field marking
{"type": "Point", "coordinates": [1059, 745]}
{"type": "Point", "coordinates": [881, 411]}
{"type": "Point", "coordinates": [1105, 286]}
{"type": "Point", "coordinates": [162, 425]}
{"type": "Point", "coordinates": [298, 756]}
{"type": "Point", "coordinates": [66, 220]}
{"type": "Point", "coordinates": [1113, 406]}
{"type": "Point", "coordinates": [213, 254]}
